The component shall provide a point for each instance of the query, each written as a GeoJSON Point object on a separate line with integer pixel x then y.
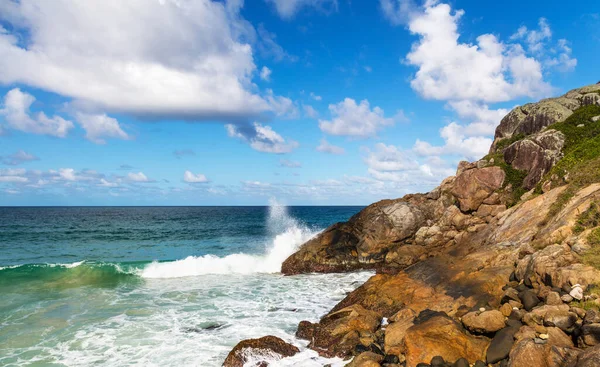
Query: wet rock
{"type": "Point", "coordinates": [305, 330]}
{"type": "Point", "coordinates": [441, 336]}
{"type": "Point", "coordinates": [461, 363]}
{"type": "Point", "coordinates": [366, 359]}
{"type": "Point", "coordinates": [264, 347]}
{"type": "Point", "coordinates": [484, 322]}
{"type": "Point", "coordinates": [437, 361]}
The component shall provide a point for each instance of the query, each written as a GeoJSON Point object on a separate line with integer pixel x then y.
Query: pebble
{"type": "Point", "coordinates": [566, 298]}
{"type": "Point", "coordinates": [544, 336]}
{"type": "Point", "coordinates": [596, 118]}
{"type": "Point", "coordinates": [581, 125]}
{"type": "Point", "coordinates": [482, 309]}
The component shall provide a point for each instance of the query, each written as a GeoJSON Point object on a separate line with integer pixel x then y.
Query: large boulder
{"type": "Point", "coordinates": [339, 332]}
{"type": "Point", "coordinates": [473, 186]}
{"type": "Point", "coordinates": [589, 358]}
{"type": "Point", "coordinates": [264, 349]}
{"type": "Point", "coordinates": [486, 322]}
{"type": "Point", "coordinates": [364, 241]}
{"type": "Point", "coordinates": [536, 155]}
{"type": "Point", "coordinates": [442, 336]}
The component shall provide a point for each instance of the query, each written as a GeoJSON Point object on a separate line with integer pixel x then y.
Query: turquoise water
{"type": "Point", "coordinates": [157, 286]}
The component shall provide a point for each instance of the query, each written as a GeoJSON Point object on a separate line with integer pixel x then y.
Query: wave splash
{"type": "Point", "coordinates": [287, 236]}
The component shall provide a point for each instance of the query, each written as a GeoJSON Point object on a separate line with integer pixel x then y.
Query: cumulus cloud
{"type": "Point", "coordinates": [18, 157]}
{"type": "Point", "coordinates": [138, 177]}
{"type": "Point", "coordinates": [457, 142]}
{"type": "Point", "coordinates": [190, 177]}
{"type": "Point", "coordinates": [99, 127]}
{"type": "Point", "coordinates": [355, 120]}
{"type": "Point", "coordinates": [168, 58]}
{"type": "Point", "coordinates": [265, 74]}
{"type": "Point", "coordinates": [282, 106]}
{"type": "Point", "coordinates": [315, 97]}
{"type": "Point", "coordinates": [262, 138]}
{"type": "Point", "coordinates": [398, 12]}
{"type": "Point", "coordinates": [389, 163]}
{"type": "Point", "coordinates": [13, 175]}
{"type": "Point", "coordinates": [289, 164]}
{"type": "Point", "coordinates": [325, 147]}
{"type": "Point", "coordinates": [287, 9]}
{"type": "Point", "coordinates": [17, 114]}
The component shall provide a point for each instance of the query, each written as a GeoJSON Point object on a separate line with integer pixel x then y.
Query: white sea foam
{"type": "Point", "coordinates": [287, 236]}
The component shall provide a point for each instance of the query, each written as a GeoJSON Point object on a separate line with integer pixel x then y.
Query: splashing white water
{"type": "Point", "coordinates": [288, 236]}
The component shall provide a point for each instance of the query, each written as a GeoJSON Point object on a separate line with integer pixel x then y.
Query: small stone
{"type": "Point", "coordinates": [595, 118]}
{"type": "Point", "coordinates": [544, 336]}
{"type": "Point", "coordinates": [506, 309]}
{"type": "Point", "coordinates": [566, 298]}
{"type": "Point", "coordinates": [438, 361]}
{"type": "Point", "coordinates": [581, 125]}
{"type": "Point", "coordinates": [529, 299]}
{"type": "Point", "coordinates": [482, 309]}
{"type": "Point", "coordinates": [539, 341]}
{"type": "Point", "coordinates": [576, 293]}
{"type": "Point", "coordinates": [461, 363]}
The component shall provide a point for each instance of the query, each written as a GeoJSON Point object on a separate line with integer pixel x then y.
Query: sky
{"type": "Point", "coordinates": [311, 102]}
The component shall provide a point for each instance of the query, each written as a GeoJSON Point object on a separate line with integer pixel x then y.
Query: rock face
{"type": "Point", "coordinates": [532, 118]}
{"type": "Point", "coordinates": [268, 347]}
{"type": "Point", "coordinates": [484, 322]}
{"type": "Point", "coordinates": [536, 155]}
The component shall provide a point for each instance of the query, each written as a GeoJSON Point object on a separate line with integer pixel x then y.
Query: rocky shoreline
{"type": "Point", "coordinates": [497, 266]}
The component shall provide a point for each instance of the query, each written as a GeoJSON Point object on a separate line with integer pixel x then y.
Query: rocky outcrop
{"type": "Point", "coordinates": [536, 155]}
{"type": "Point", "coordinates": [474, 270]}
{"type": "Point", "coordinates": [532, 118]}
{"type": "Point", "coordinates": [259, 350]}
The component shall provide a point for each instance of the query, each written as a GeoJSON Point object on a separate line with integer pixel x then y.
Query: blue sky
{"type": "Point", "coordinates": [312, 102]}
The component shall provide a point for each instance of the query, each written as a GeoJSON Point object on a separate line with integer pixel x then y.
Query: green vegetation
{"type": "Point", "coordinates": [581, 162]}
{"type": "Point", "coordinates": [588, 219]}
{"type": "Point", "coordinates": [586, 305]}
{"type": "Point", "coordinates": [514, 177]}
{"type": "Point", "coordinates": [506, 142]}
{"type": "Point", "coordinates": [592, 256]}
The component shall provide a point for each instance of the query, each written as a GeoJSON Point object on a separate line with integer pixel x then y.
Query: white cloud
{"type": "Point", "coordinates": [309, 111]}
{"type": "Point", "coordinates": [356, 120]}
{"type": "Point", "coordinates": [98, 127]}
{"type": "Point", "coordinates": [137, 177]}
{"type": "Point", "coordinates": [265, 74]}
{"type": "Point", "coordinates": [262, 138]}
{"type": "Point", "coordinates": [368, 69]}
{"type": "Point", "coordinates": [538, 42]}
{"type": "Point", "coordinates": [269, 47]}
{"type": "Point", "coordinates": [282, 106]}
{"type": "Point", "coordinates": [389, 158]}
{"type": "Point", "coordinates": [488, 71]}
{"type": "Point", "coordinates": [325, 147]}
{"type": "Point", "coordinates": [315, 97]}
{"type": "Point", "coordinates": [105, 183]}
{"type": "Point", "coordinates": [18, 116]}
{"type": "Point", "coordinates": [398, 12]}
{"type": "Point", "coordinates": [289, 164]}
{"type": "Point", "coordinates": [190, 177]}
{"type": "Point", "coordinates": [13, 175]}
{"type": "Point", "coordinates": [168, 58]}
{"type": "Point", "coordinates": [457, 142]}
{"type": "Point", "coordinates": [287, 9]}
{"type": "Point", "coordinates": [17, 158]}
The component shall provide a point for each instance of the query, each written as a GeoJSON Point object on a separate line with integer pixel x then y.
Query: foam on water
{"type": "Point", "coordinates": [189, 312]}
{"type": "Point", "coordinates": [287, 236]}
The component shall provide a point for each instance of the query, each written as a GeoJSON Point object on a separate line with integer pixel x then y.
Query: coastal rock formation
{"type": "Point", "coordinates": [500, 263]}
{"type": "Point", "coordinates": [267, 347]}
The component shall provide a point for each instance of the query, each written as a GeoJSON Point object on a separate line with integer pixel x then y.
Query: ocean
{"type": "Point", "coordinates": [158, 286]}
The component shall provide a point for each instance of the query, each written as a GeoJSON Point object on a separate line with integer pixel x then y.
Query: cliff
{"type": "Point", "coordinates": [497, 264]}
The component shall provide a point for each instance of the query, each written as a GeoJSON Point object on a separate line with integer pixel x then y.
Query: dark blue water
{"type": "Point", "coordinates": [34, 235]}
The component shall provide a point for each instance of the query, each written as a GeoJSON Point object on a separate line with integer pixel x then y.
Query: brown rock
{"type": "Point", "coordinates": [484, 322]}
{"type": "Point", "coordinates": [366, 359]}
{"type": "Point", "coordinates": [264, 347]}
{"type": "Point", "coordinates": [536, 155]}
{"type": "Point", "coordinates": [589, 358]}
{"type": "Point", "coordinates": [506, 309]}
{"type": "Point", "coordinates": [395, 332]}
{"type": "Point", "coordinates": [473, 186]}
{"type": "Point", "coordinates": [339, 332]}
{"type": "Point", "coordinates": [441, 336]}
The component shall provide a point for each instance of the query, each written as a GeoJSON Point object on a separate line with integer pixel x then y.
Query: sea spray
{"type": "Point", "coordinates": [287, 235]}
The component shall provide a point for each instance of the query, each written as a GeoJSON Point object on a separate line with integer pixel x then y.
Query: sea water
{"type": "Point", "coordinates": [160, 286]}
